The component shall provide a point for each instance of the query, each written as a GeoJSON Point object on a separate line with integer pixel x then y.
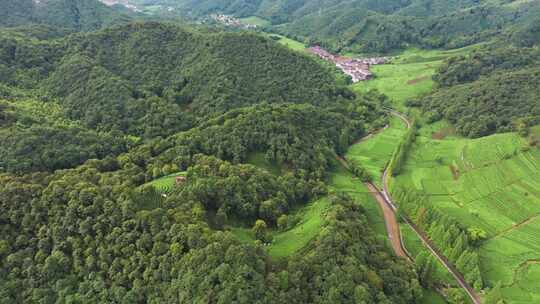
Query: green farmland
{"type": "Point", "coordinates": [290, 43]}
{"type": "Point", "coordinates": [375, 152]}
{"type": "Point", "coordinates": [408, 76]}
{"type": "Point", "coordinates": [254, 20]}
{"type": "Point", "coordinates": [489, 183]}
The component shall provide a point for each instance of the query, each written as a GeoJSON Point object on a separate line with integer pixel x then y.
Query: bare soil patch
{"type": "Point", "coordinates": [443, 133]}
{"type": "Point", "coordinates": [417, 80]}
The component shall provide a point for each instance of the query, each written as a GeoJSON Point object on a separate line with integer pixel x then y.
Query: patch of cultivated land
{"type": "Point", "coordinates": [408, 75]}
{"type": "Point", "coordinates": [290, 43]}
{"type": "Point", "coordinates": [491, 183]}
{"type": "Point", "coordinates": [376, 152]}
{"type": "Point", "coordinates": [254, 20]}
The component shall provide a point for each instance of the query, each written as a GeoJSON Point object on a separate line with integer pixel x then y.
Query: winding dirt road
{"type": "Point", "coordinates": [390, 220]}
{"type": "Point", "coordinates": [391, 223]}
{"type": "Point", "coordinates": [421, 234]}
{"type": "Point", "coordinates": [389, 209]}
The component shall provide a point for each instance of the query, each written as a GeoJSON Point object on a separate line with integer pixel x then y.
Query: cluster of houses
{"type": "Point", "coordinates": [231, 21]}
{"type": "Point", "coordinates": [357, 68]}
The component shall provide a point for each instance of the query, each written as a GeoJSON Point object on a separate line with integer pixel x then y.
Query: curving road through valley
{"type": "Point", "coordinates": [473, 295]}
{"type": "Point", "coordinates": [389, 209]}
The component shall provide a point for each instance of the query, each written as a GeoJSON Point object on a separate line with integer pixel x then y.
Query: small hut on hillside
{"type": "Point", "coordinates": [180, 179]}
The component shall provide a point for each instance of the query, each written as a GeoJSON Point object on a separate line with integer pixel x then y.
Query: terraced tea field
{"type": "Point", "coordinates": [489, 183]}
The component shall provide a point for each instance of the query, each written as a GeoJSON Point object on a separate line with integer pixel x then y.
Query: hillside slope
{"type": "Point", "coordinates": [79, 15]}
{"type": "Point", "coordinates": [494, 89]}
{"type": "Point", "coordinates": [377, 26]}
{"type": "Point", "coordinates": [109, 79]}
{"type": "Point", "coordinates": [148, 80]}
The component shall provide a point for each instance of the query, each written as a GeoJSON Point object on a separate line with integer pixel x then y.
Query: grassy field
{"type": "Point", "coordinates": [375, 152]}
{"type": "Point", "coordinates": [165, 184]}
{"type": "Point", "coordinates": [254, 20]}
{"type": "Point", "coordinates": [432, 297]}
{"type": "Point", "coordinates": [259, 160]}
{"type": "Point", "coordinates": [408, 76]}
{"type": "Point", "coordinates": [290, 43]}
{"type": "Point", "coordinates": [492, 183]}
{"type": "Point", "coordinates": [341, 180]}
{"type": "Point", "coordinates": [288, 242]}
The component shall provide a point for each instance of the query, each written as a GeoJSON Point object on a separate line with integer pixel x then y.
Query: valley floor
{"type": "Point", "coordinates": [489, 183]}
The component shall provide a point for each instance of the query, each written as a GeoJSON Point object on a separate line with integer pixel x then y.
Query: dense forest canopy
{"type": "Point", "coordinates": [147, 80]}
{"type": "Point", "coordinates": [79, 15]}
{"type": "Point", "coordinates": [302, 137]}
{"type": "Point", "coordinates": [77, 236]}
{"type": "Point", "coordinates": [150, 79]}
{"type": "Point", "coordinates": [494, 89]}
{"type": "Point", "coordinates": [87, 119]}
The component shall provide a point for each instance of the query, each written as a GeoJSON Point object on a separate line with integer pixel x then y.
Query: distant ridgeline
{"type": "Point", "coordinates": [377, 26]}
{"type": "Point", "coordinates": [77, 15]}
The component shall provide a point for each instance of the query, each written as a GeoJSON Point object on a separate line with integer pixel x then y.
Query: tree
{"type": "Point", "coordinates": [476, 235]}
{"type": "Point", "coordinates": [282, 222]}
{"type": "Point", "coordinates": [221, 218]}
{"type": "Point", "coordinates": [260, 230]}
{"type": "Point", "coordinates": [456, 296]}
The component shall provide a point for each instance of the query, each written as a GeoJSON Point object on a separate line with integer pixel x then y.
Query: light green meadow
{"type": "Point", "coordinates": [254, 20]}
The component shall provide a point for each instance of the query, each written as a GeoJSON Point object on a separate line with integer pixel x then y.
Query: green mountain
{"type": "Point", "coordinates": [377, 26]}
{"type": "Point", "coordinates": [89, 120]}
{"type": "Point", "coordinates": [79, 15]}
{"type": "Point", "coordinates": [149, 79]}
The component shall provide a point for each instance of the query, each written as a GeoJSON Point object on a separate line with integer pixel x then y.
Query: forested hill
{"type": "Point", "coordinates": [149, 79]}
{"type": "Point", "coordinates": [493, 89]}
{"type": "Point", "coordinates": [379, 26]}
{"type": "Point", "coordinates": [103, 78]}
{"type": "Point", "coordinates": [78, 15]}
{"type": "Point", "coordinates": [90, 121]}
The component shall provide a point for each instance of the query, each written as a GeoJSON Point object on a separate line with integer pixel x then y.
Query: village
{"type": "Point", "coordinates": [357, 68]}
